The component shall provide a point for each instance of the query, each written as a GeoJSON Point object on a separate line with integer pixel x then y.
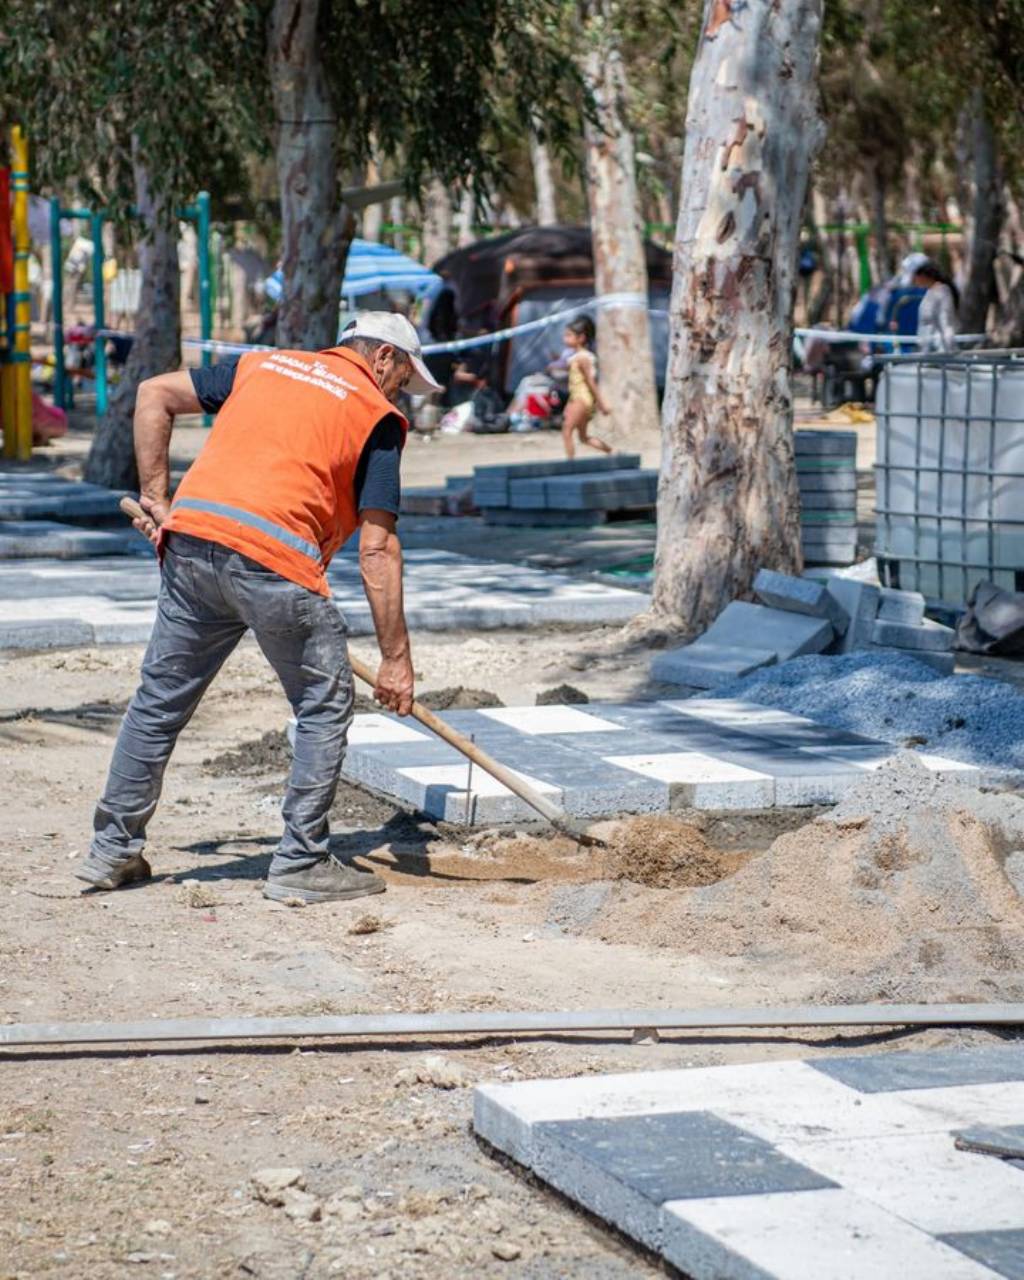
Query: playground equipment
{"type": "Point", "coordinates": [63, 391]}
{"type": "Point", "coordinates": [15, 355]}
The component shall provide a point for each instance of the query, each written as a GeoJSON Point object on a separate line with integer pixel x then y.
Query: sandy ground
{"type": "Point", "coordinates": [117, 1163]}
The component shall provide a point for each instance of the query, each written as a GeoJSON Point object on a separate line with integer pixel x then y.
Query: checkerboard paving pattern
{"type": "Point", "coordinates": [832, 1169]}
{"type": "Point", "coordinates": [53, 603]}
{"type": "Point", "coordinates": [607, 758]}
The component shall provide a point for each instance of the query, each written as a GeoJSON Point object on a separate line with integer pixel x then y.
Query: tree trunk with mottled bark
{"type": "Point", "coordinates": [157, 345]}
{"type": "Point", "coordinates": [625, 363]}
{"type": "Point", "coordinates": [543, 183]}
{"type": "Point", "coordinates": [728, 503]}
{"type": "Point", "coordinates": [436, 206]}
{"type": "Point", "coordinates": [316, 227]}
{"type": "Point", "coordinates": [880, 225]}
{"type": "Point", "coordinates": [980, 285]}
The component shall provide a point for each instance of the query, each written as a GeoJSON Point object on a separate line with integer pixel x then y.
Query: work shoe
{"type": "Point", "coordinates": [327, 881]}
{"type": "Point", "coordinates": [105, 875]}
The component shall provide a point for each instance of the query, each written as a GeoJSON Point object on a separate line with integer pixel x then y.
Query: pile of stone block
{"type": "Point", "coordinates": [797, 616]}
{"type": "Point", "coordinates": [44, 515]}
{"type": "Point", "coordinates": [565, 491]}
{"type": "Point", "coordinates": [826, 468]}
{"type": "Point", "coordinates": [453, 498]}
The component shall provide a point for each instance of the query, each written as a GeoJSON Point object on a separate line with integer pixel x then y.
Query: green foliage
{"type": "Point", "coordinates": [178, 81]}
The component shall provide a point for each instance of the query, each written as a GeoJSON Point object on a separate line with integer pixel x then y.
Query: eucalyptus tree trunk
{"type": "Point", "coordinates": [980, 286]}
{"type": "Point", "coordinates": [728, 503]}
{"type": "Point", "coordinates": [373, 214]}
{"type": "Point", "coordinates": [880, 224]}
{"type": "Point", "coordinates": [464, 233]}
{"type": "Point", "coordinates": [626, 366]}
{"type": "Point", "coordinates": [543, 183]}
{"type": "Point", "coordinates": [436, 206]}
{"type": "Point", "coordinates": [316, 227]}
{"type": "Point", "coordinates": [157, 345]}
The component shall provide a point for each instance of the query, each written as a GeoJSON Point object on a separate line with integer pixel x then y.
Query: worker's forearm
{"type": "Point", "coordinates": [381, 568]}
{"type": "Point", "coordinates": [152, 431]}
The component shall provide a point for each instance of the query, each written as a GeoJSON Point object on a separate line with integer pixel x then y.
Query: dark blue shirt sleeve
{"type": "Point", "coordinates": [213, 385]}
{"type": "Point", "coordinates": [378, 484]}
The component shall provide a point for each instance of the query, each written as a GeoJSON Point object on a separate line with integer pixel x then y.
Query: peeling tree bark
{"type": "Point", "coordinates": [543, 183]}
{"type": "Point", "coordinates": [728, 501]}
{"type": "Point", "coordinates": [626, 366]}
{"type": "Point", "coordinates": [316, 227]}
{"type": "Point", "coordinates": [157, 345]}
{"type": "Point", "coordinates": [980, 286]}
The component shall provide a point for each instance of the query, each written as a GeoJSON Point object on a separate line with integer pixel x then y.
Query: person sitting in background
{"type": "Point", "coordinates": [584, 393]}
{"type": "Point", "coordinates": [936, 320]}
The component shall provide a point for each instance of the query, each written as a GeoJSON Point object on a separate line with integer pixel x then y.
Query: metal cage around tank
{"type": "Point", "coordinates": [950, 472]}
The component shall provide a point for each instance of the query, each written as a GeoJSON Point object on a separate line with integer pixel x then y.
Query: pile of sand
{"type": "Point", "coordinates": [904, 891]}
{"type": "Point", "coordinates": [663, 852]}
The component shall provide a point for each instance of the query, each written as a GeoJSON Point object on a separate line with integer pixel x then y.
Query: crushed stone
{"type": "Point", "coordinates": [896, 698]}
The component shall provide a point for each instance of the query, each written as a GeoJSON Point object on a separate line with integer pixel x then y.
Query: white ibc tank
{"type": "Point", "coordinates": [950, 475]}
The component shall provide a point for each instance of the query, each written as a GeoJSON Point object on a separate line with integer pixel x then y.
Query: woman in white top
{"type": "Point", "coordinates": [936, 320]}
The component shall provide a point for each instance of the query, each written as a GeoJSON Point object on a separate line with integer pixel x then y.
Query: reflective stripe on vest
{"type": "Point", "coordinates": [268, 527]}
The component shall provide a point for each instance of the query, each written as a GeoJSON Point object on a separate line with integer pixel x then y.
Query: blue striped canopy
{"type": "Point", "coordinates": [371, 268]}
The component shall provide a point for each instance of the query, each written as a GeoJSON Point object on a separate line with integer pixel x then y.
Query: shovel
{"type": "Point", "coordinates": [557, 817]}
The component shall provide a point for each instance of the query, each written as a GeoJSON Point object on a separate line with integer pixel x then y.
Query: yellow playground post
{"type": "Point", "coordinates": [21, 356]}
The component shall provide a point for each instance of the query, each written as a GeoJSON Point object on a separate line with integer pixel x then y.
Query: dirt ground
{"type": "Point", "coordinates": [139, 1162]}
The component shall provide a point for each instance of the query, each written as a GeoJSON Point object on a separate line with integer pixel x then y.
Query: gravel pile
{"type": "Point", "coordinates": [899, 700]}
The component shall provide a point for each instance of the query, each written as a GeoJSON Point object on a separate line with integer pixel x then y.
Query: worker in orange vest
{"type": "Point", "coordinates": [304, 450]}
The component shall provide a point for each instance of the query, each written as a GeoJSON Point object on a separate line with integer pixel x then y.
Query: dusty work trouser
{"type": "Point", "coordinates": [209, 597]}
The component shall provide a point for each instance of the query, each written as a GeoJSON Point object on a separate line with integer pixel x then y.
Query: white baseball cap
{"type": "Point", "coordinates": [398, 332]}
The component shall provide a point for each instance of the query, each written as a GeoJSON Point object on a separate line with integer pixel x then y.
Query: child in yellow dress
{"type": "Point", "coordinates": [584, 393]}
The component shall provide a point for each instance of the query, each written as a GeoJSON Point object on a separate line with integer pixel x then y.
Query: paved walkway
{"type": "Point", "coordinates": [50, 603]}
{"type": "Point", "coordinates": [606, 759]}
{"type": "Point", "coordinates": [823, 1170]}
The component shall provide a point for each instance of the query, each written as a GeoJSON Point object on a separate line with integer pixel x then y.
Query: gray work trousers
{"type": "Point", "coordinates": [209, 597]}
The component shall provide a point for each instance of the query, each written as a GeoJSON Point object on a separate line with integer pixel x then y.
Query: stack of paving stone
{"type": "Point", "coordinates": [797, 616]}
{"type": "Point", "coordinates": [826, 468]}
{"type": "Point", "coordinates": [453, 498]}
{"type": "Point", "coordinates": [565, 491]}
{"type": "Point", "coordinates": [44, 515]}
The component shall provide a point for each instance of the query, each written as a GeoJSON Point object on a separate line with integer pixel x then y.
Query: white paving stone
{"type": "Point", "coordinates": [372, 729]}
{"type": "Point", "coordinates": [718, 784]}
{"type": "Point", "coordinates": [921, 1178]}
{"type": "Point", "coordinates": [554, 719]}
{"type": "Point", "coordinates": [831, 1234]}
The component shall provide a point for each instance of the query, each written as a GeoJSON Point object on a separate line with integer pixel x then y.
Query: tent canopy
{"type": "Point", "coordinates": [371, 268]}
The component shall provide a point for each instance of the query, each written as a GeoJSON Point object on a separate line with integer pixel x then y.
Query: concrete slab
{"type": "Point", "coordinates": [800, 595]}
{"type": "Point", "coordinates": [704, 665]}
{"type": "Point", "coordinates": [902, 606]}
{"type": "Point", "coordinates": [783, 1170]}
{"type": "Point", "coordinates": [20, 539]}
{"type": "Point", "coordinates": [927, 636]}
{"type": "Point", "coordinates": [860, 602]}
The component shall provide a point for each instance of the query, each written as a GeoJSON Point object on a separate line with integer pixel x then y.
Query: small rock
{"type": "Point", "coordinates": [368, 924]}
{"type": "Point", "coordinates": [341, 1207]}
{"type": "Point", "coordinates": [443, 1073]}
{"type": "Point", "coordinates": [505, 1250]}
{"type": "Point", "coordinates": [198, 895]}
{"type": "Point", "coordinates": [293, 902]}
{"type": "Point", "coordinates": [271, 1184]}
{"type": "Point", "coordinates": [157, 1227]}
{"type": "Point", "coordinates": [301, 1206]}
{"type": "Point", "coordinates": [406, 1075]}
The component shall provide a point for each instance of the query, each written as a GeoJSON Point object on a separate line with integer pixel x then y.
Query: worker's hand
{"type": "Point", "coordinates": [395, 682]}
{"type": "Point", "coordinates": [156, 513]}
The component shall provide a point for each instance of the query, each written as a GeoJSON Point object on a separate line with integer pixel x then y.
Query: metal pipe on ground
{"type": "Point", "coordinates": [429, 1025]}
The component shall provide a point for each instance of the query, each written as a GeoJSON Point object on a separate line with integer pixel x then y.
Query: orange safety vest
{"type": "Point", "coordinates": [275, 480]}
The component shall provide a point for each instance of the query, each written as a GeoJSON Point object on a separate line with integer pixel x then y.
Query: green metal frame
{"type": "Point", "coordinates": [63, 391]}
